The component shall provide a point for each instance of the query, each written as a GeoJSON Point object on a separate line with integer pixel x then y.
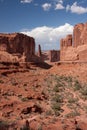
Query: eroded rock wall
{"type": "Point", "coordinates": [66, 50]}
{"type": "Point", "coordinates": [80, 34]}
{"type": "Point", "coordinates": [74, 48]}
{"type": "Point", "coordinates": [54, 55]}
{"type": "Point", "coordinates": [17, 43]}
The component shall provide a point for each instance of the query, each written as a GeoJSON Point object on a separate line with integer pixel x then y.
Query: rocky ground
{"type": "Point", "coordinates": [43, 97]}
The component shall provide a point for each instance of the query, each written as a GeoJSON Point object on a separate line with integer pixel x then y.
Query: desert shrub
{"type": "Point", "coordinates": [1, 81]}
{"type": "Point", "coordinates": [77, 85]}
{"type": "Point", "coordinates": [84, 90]}
{"type": "Point", "coordinates": [4, 124]}
{"type": "Point", "coordinates": [24, 99]}
{"type": "Point", "coordinates": [69, 79]}
{"type": "Point", "coordinates": [39, 127]}
{"type": "Point", "coordinates": [56, 88]}
{"type": "Point", "coordinates": [66, 78]}
{"type": "Point", "coordinates": [61, 77]}
{"type": "Point", "coordinates": [49, 112]}
{"type": "Point", "coordinates": [56, 108]}
{"type": "Point", "coordinates": [72, 100]}
{"type": "Point", "coordinates": [57, 98]}
{"type": "Point", "coordinates": [60, 84]}
{"type": "Point", "coordinates": [56, 78]}
{"type": "Point", "coordinates": [73, 114]}
{"type": "Point", "coordinates": [57, 113]}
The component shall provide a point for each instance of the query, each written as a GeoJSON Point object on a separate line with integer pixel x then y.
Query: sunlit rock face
{"type": "Point", "coordinates": [80, 34]}
{"type": "Point", "coordinates": [74, 48]}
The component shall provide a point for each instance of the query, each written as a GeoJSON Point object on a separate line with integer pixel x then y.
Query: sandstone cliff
{"type": "Point", "coordinates": [17, 44]}
{"type": "Point", "coordinates": [80, 34]}
{"type": "Point", "coordinates": [74, 48]}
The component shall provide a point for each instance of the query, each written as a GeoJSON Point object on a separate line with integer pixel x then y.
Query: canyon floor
{"type": "Point", "coordinates": [49, 97]}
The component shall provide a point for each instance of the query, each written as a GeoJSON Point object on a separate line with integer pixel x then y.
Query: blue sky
{"type": "Point", "coordinates": [46, 20]}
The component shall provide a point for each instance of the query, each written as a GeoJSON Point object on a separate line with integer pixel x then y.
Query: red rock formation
{"type": "Point", "coordinates": [64, 45]}
{"type": "Point", "coordinates": [39, 51]}
{"type": "Point", "coordinates": [78, 49]}
{"type": "Point", "coordinates": [66, 42]}
{"type": "Point", "coordinates": [80, 34]}
{"type": "Point", "coordinates": [54, 55]}
{"type": "Point", "coordinates": [17, 43]}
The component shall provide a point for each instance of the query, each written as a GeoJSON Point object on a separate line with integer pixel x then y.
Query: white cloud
{"type": "Point", "coordinates": [26, 1]}
{"type": "Point", "coordinates": [46, 6]}
{"type": "Point", "coordinates": [76, 9]}
{"type": "Point", "coordinates": [61, 1]}
{"type": "Point", "coordinates": [56, 5]}
{"type": "Point", "coordinates": [68, 7]}
{"type": "Point", "coordinates": [49, 37]}
{"type": "Point", "coordinates": [58, 1]}
{"type": "Point", "coordinates": [59, 6]}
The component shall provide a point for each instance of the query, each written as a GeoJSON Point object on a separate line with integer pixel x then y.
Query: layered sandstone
{"type": "Point", "coordinates": [80, 34]}
{"type": "Point", "coordinates": [17, 44]}
{"type": "Point", "coordinates": [66, 42]}
{"type": "Point", "coordinates": [66, 49]}
{"type": "Point", "coordinates": [74, 48]}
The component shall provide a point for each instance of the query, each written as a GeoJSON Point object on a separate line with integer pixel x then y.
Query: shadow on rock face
{"type": "Point", "coordinates": [43, 65]}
